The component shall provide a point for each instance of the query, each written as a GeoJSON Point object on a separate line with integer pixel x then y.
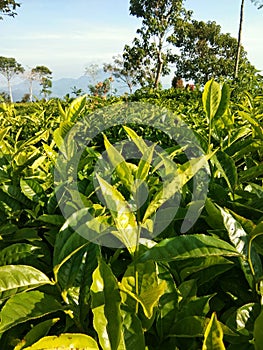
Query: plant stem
{"type": "Point", "coordinates": [136, 274]}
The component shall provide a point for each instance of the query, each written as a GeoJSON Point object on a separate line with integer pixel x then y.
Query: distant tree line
{"type": "Point", "coordinates": [9, 68]}
{"type": "Point", "coordinates": [169, 38]}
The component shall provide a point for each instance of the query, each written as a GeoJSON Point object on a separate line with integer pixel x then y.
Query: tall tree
{"type": "Point", "coordinates": [206, 53]}
{"type": "Point", "coordinates": [44, 75]}
{"type": "Point", "coordinates": [8, 8]}
{"type": "Point", "coordinates": [121, 72]}
{"type": "Point", "coordinates": [151, 53]}
{"type": "Point", "coordinates": [241, 19]}
{"type": "Point", "coordinates": [40, 74]}
{"type": "Point", "coordinates": [92, 71]}
{"type": "Point", "coordinates": [9, 68]}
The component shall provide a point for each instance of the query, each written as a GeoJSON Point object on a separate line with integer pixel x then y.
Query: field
{"type": "Point", "coordinates": [132, 222]}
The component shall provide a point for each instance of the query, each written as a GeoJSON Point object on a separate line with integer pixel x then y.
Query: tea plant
{"type": "Point", "coordinates": [197, 290]}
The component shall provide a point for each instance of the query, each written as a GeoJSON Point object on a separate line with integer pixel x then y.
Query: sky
{"type": "Point", "coordinates": [67, 36]}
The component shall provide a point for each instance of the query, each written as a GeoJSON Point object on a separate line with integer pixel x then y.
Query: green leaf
{"type": "Point", "coordinates": [8, 203]}
{"type": "Point", "coordinates": [32, 189]}
{"type": "Point", "coordinates": [58, 139]}
{"type": "Point", "coordinates": [16, 252]}
{"type": "Point", "coordinates": [180, 178]}
{"type": "Point", "coordinates": [242, 320]}
{"type": "Point", "coordinates": [224, 102]}
{"type": "Point", "coordinates": [211, 98]}
{"type": "Point", "coordinates": [75, 108]}
{"type": "Point", "coordinates": [119, 164]}
{"type": "Point", "coordinates": [140, 282]}
{"type": "Point", "coordinates": [91, 262]}
{"type": "Point", "coordinates": [105, 305]}
{"type": "Point", "coordinates": [68, 252]}
{"type": "Point", "coordinates": [251, 173]}
{"type": "Point", "coordinates": [189, 246]}
{"type": "Point", "coordinates": [124, 218]}
{"type": "Point", "coordinates": [15, 193]}
{"type": "Point", "coordinates": [4, 132]}
{"type": "Point", "coordinates": [258, 334]}
{"type": "Point", "coordinates": [42, 135]}
{"type": "Point", "coordinates": [27, 306]}
{"type": "Point", "coordinates": [226, 168]}
{"type": "Point", "coordinates": [213, 337]}
{"type": "Point", "coordinates": [195, 306]}
{"type": "Point", "coordinates": [250, 260]}
{"type": "Point", "coordinates": [56, 220]}
{"type": "Point", "coordinates": [52, 155]}
{"type": "Point", "coordinates": [65, 341]}
{"type": "Point", "coordinates": [38, 331]}
{"type": "Point", "coordinates": [196, 265]}
{"type": "Point", "coordinates": [256, 125]}
{"type": "Point", "coordinates": [189, 327]}
{"type": "Point", "coordinates": [138, 140]}
{"type": "Point", "coordinates": [62, 113]}
{"type": "Point", "coordinates": [187, 291]}
{"type": "Point", "coordinates": [133, 334]}
{"type": "Point", "coordinates": [19, 278]}
{"type": "Point", "coordinates": [145, 164]}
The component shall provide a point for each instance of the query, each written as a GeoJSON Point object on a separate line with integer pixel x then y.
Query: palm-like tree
{"type": "Point", "coordinates": [257, 3]}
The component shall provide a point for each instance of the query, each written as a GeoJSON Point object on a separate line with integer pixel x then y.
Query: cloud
{"type": "Point", "coordinates": [86, 33]}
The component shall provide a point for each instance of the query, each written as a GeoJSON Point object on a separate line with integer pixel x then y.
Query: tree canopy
{"type": "Point", "coordinates": [44, 76]}
{"type": "Point", "coordinates": [169, 36]}
{"type": "Point", "coordinates": [150, 53]}
{"type": "Point", "coordinates": [9, 67]}
{"type": "Point", "coordinates": [205, 52]}
{"type": "Point", "coordinates": [8, 7]}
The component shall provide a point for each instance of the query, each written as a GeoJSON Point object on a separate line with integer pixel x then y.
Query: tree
{"type": "Point", "coordinates": [256, 3]}
{"type": "Point", "coordinates": [25, 98]}
{"type": "Point", "coordinates": [151, 53]}
{"type": "Point", "coordinates": [77, 91]}
{"type": "Point", "coordinates": [92, 71]}
{"type": "Point", "coordinates": [46, 84]}
{"type": "Point", "coordinates": [8, 7]}
{"type": "Point", "coordinates": [206, 53]}
{"type": "Point", "coordinates": [102, 88]}
{"type": "Point", "coordinates": [121, 72]}
{"type": "Point", "coordinates": [4, 97]}
{"type": "Point", "coordinates": [44, 76]}
{"type": "Point", "coordinates": [40, 74]}
{"type": "Point", "coordinates": [9, 68]}
{"type": "Point", "coordinates": [31, 76]}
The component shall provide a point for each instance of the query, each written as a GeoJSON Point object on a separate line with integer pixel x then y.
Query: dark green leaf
{"type": "Point", "coordinates": [258, 334]}
{"type": "Point", "coordinates": [27, 306]}
{"type": "Point", "coordinates": [15, 253]}
{"type": "Point", "coordinates": [189, 246]}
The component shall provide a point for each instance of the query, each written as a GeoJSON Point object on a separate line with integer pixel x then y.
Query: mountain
{"type": "Point", "coordinates": [60, 87]}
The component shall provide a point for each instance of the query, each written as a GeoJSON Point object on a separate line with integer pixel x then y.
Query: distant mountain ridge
{"type": "Point", "coordinates": [60, 87]}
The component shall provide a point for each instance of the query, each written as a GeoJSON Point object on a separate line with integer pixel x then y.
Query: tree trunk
{"type": "Point", "coordinates": [159, 62]}
{"type": "Point", "coordinates": [31, 90]}
{"type": "Point", "coordinates": [158, 73]}
{"type": "Point", "coordinates": [239, 38]}
{"type": "Point", "coordinates": [10, 90]}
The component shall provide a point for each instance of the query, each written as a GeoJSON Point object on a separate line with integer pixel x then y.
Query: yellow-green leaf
{"type": "Point", "coordinates": [213, 337]}
{"type": "Point", "coordinates": [67, 341]}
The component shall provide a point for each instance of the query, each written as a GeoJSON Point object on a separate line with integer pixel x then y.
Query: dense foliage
{"type": "Point", "coordinates": [205, 52]}
{"type": "Point", "coordinates": [192, 290]}
{"type": "Point", "coordinates": [8, 7]}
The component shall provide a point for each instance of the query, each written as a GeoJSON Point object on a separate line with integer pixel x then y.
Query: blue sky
{"type": "Point", "coordinates": [67, 36]}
